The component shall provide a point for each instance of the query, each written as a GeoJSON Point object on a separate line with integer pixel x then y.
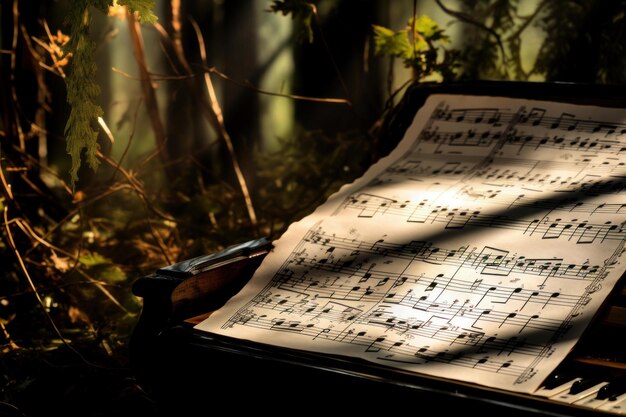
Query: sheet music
{"type": "Point", "coordinates": [478, 250]}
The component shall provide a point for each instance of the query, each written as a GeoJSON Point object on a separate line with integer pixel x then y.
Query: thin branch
{"type": "Point", "coordinates": [177, 35]}
{"type": "Point", "coordinates": [106, 292]}
{"type": "Point", "coordinates": [106, 130]}
{"type": "Point", "coordinates": [464, 17]}
{"type": "Point", "coordinates": [217, 119]}
{"type": "Point", "coordinates": [248, 85]}
{"type": "Point", "coordinates": [130, 140]}
{"type": "Point", "coordinates": [29, 231]}
{"type": "Point", "coordinates": [33, 160]}
{"type": "Point", "coordinates": [147, 86]}
{"type": "Point", "coordinates": [52, 54]}
{"type": "Point", "coordinates": [154, 76]}
{"type": "Point", "coordinates": [7, 336]}
{"type": "Point", "coordinates": [528, 20]}
{"type": "Point", "coordinates": [413, 32]}
{"type": "Point", "coordinates": [220, 74]}
{"type": "Point", "coordinates": [328, 52]}
{"type": "Point", "coordinates": [7, 186]}
{"type": "Point", "coordinates": [56, 68]}
{"type": "Point", "coordinates": [16, 15]}
{"type": "Point", "coordinates": [32, 286]}
{"type": "Point", "coordinates": [157, 238]}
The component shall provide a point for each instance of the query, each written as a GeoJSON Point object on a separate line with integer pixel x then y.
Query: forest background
{"type": "Point", "coordinates": [138, 134]}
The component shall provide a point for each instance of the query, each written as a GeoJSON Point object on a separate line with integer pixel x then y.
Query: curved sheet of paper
{"type": "Point", "coordinates": [478, 250]}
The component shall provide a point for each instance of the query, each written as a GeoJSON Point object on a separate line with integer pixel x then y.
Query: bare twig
{"type": "Point", "coordinates": [56, 66]}
{"type": "Point", "coordinates": [413, 32]}
{"type": "Point", "coordinates": [220, 74]}
{"type": "Point", "coordinates": [528, 19]}
{"type": "Point", "coordinates": [106, 130]}
{"type": "Point", "coordinates": [464, 17]}
{"type": "Point", "coordinates": [29, 231]}
{"type": "Point", "coordinates": [34, 161]}
{"type": "Point", "coordinates": [7, 186]}
{"type": "Point", "coordinates": [177, 37]}
{"type": "Point", "coordinates": [136, 186]}
{"type": "Point", "coordinates": [154, 76]}
{"type": "Point", "coordinates": [157, 238]}
{"type": "Point", "coordinates": [147, 86]}
{"type": "Point", "coordinates": [217, 119]}
{"type": "Point", "coordinates": [16, 16]}
{"type": "Point", "coordinates": [106, 292]}
{"type": "Point", "coordinates": [32, 286]}
{"type": "Point", "coordinates": [133, 184]}
{"type": "Point", "coordinates": [328, 52]}
{"type": "Point", "coordinates": [7, 336]}
{"type": "Point", "coordinates": [130, 140]}
{"type": "Point", "coordinates": [248, 85]}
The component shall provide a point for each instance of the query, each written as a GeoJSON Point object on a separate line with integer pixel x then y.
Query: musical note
{"type": "Point", "coordinates": [478, 250]}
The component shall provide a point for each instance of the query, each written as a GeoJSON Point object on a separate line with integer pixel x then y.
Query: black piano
{"type": "Point", "coordinates": [187, 370]}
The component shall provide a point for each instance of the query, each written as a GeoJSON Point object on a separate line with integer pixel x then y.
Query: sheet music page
{"type": "Point", "coordinates": [478, 250]}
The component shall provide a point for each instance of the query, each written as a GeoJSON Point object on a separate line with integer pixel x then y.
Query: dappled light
{"type": "Point", "coordinates": [136, 134]}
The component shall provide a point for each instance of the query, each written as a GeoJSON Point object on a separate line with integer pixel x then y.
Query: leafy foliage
{"type": "Point", "coordinates": [419, 45]}
{"type": "Point", "coordinates": [82, 250]}
{"type": "Point", "coordinates": [585, 41]}
{"type": "Point", "coordinates": [492, 40]}
{"type": "Point", "coordinates": [298, 9]}
{"type": "Point", "coordinates": [82, 92]}
{"type": "Point", "coordinates": [82, 89]}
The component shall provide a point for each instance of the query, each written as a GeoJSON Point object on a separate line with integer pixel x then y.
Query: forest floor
{"type": "Point", "coordinates": [58, 382]}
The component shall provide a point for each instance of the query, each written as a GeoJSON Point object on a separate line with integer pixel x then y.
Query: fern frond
{"type": "Point", "coordinates": [144, 9]}
{"type": "Point", "coordinates": [82, 92]}
{"type": "Point", "coordinates": [82, 89]}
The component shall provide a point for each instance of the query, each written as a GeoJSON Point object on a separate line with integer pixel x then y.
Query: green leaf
{"type": "Point", "coordinates": [110, 273]}
{"type": "Point", "coordinates": [102, 268]}
{"type": "Point", "coordinates": [92, 259]}
{"type": "Point", "coordinates": [426, 27]}
{"type": "Point", "coordinates": [418, 45]}
{"type": "Point", "coordinates": [388, 42]}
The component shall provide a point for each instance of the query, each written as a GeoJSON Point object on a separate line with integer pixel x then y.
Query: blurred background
{"type": "Point", "coordinates": [213, 124]}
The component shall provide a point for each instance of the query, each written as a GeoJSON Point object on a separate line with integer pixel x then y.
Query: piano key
{"type": "Point", "coordinates": [612, 389]}
{"type": "Point", "coordinates": [615, 405]}
{"type": "Point", "coordinates": [558, 379]}
{"type": "Point", "coordinates": [557, 385]}
{"type": "Point", "coordinates": [579, 390]}
{"type": "Point", "coordinates": [591, 401]}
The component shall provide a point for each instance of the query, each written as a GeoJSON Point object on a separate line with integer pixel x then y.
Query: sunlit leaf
{"type": "Point", "coordinates": [388, 42]}
{"type": "Point", "coordinates": [427, 27]}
